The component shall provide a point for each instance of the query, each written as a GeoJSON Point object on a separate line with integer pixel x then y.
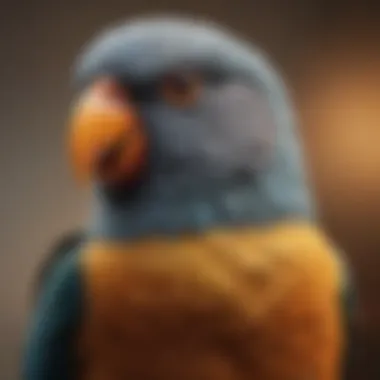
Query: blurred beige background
{"type": "Point", "coordinates": [329, 54]}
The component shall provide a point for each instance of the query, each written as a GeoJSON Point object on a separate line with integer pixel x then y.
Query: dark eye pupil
{"type": "Point", "coordinates": [179, 84]}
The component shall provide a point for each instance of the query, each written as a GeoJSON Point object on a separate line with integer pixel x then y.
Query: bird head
{"type": "Point", "coordinates": [181, 126]}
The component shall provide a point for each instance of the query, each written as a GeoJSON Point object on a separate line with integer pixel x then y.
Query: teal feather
{"type": "Point", "coordinates": [50, 350]}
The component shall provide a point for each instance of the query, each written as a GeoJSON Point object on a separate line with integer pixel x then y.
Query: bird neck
{"type": "Point", "coordinates": [191, 205]}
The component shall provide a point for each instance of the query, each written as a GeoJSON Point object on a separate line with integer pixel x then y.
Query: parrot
{"type": "Point", "coordinates": [203, 256]}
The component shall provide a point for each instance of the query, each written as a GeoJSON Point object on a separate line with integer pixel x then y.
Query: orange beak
{"type": "Point", "coordinates": [107, 141]}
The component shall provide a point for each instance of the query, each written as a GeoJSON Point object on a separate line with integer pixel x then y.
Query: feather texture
{"type": "Point", "coordinates": [238, 304]}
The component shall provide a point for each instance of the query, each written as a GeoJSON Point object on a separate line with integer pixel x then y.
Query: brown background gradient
{"type": "Point", "coordinates": [329, 52]}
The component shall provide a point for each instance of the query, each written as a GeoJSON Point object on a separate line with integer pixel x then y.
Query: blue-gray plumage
{"type": "Point", "coordinates": [232, 158]}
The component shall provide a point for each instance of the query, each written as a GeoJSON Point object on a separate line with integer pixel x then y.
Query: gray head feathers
{"type": "Point", "coordinates": [199, 154]}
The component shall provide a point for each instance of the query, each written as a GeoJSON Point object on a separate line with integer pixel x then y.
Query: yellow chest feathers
{"type": "Point", "coordinates": [244, 304]}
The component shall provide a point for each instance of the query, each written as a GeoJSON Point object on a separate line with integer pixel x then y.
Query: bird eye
{"type": "Point", "coordinates": [181, 90]}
